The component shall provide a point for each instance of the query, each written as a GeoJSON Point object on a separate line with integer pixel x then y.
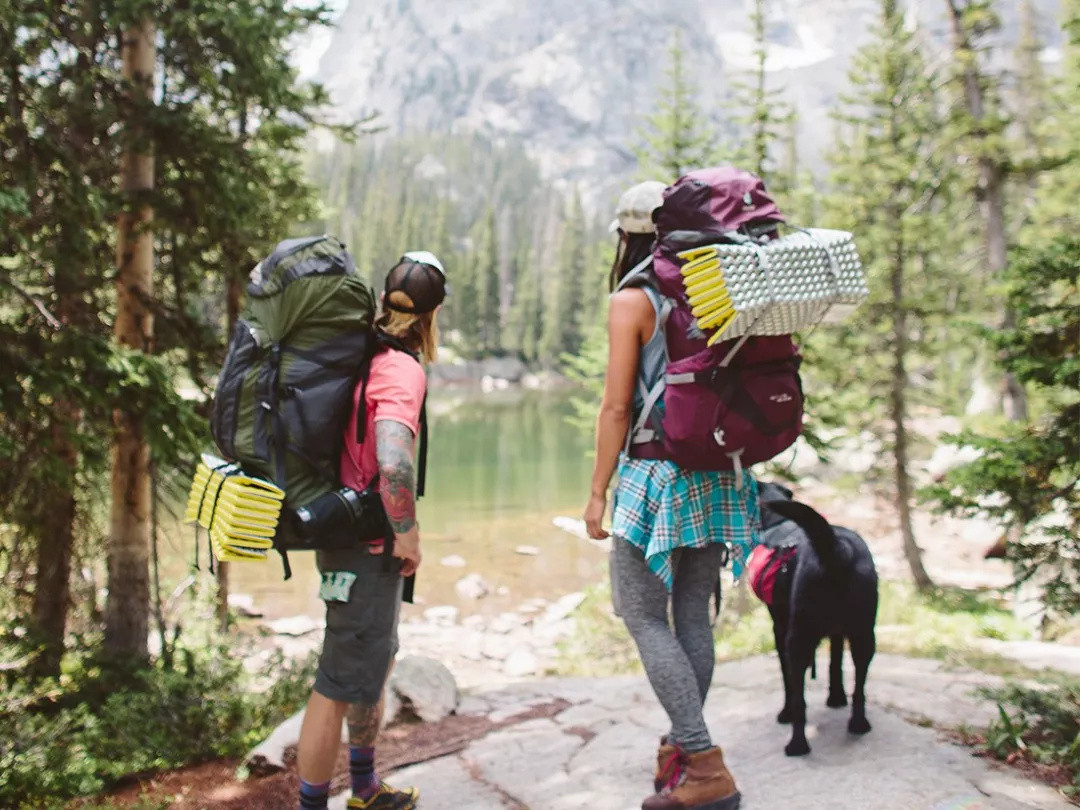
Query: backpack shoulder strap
{"type": "Point", "coordinates": [381, 342]}
{"type": "Point", "coordinates": [662, 305]}
{"type": "Point", "coordinates": [638, 275]}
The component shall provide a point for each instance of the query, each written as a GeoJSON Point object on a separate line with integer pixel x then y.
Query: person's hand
{"type": "Point", "coordinates": [407, 549]}
{"type": "Point", "coordinates": [594, 517]}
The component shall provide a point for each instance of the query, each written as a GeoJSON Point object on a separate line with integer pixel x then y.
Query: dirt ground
{"type": "Point", "coordinates": [215, 786]}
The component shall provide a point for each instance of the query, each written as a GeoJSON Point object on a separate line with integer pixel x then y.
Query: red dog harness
{"type": "Point", "coordinates": [766, 566]}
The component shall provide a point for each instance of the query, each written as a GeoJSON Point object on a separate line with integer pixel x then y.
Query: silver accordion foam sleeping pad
{"type": "Point", "coordinates": [787, 285]}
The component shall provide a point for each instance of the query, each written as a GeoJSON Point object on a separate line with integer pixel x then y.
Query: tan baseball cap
{"type": "Point", "coordinates": [633, 214]}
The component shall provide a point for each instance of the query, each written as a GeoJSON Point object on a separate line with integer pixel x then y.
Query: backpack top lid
{"type": "Point", "coordinates": [714, 201]}
{"type": "Point", "coordinates": [295, 258]}
{"type": "Point", "coordinates": [311, 283]}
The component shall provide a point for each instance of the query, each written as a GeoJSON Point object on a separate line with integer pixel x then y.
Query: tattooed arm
{"type": "Point", "coordinates": [394, 450]}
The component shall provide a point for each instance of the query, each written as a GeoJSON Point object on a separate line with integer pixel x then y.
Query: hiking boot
{"type": "Point", "coordinates": [664, 764]}
{"type": "Point", "coordinates": [386, 798]}
{"type": "Point", "coordinates": [696, 782]}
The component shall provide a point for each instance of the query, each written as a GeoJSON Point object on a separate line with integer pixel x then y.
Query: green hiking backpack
{"type": "Point", "coordinates": [285, 392]}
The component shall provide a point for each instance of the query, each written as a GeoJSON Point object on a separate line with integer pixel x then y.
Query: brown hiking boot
{"type": "Point", "coordinates": [664, 756]}
{"type": "Point", "coordinates": [695, 782]}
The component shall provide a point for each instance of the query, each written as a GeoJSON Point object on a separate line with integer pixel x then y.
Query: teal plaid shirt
{"type": "Point", "coordinates": [660, 507]}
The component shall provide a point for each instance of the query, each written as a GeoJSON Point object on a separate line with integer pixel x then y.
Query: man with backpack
{"type": "Point", "coordinates": [362, 583]}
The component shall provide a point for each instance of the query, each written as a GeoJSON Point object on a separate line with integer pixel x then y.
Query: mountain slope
{"type": "Point", "coordinates": [574, 78]}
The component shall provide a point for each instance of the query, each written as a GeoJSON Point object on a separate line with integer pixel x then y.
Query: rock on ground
{"type": "Point", "coordinates": [425, 686]}
{"type": "Point", "coordinates": [598, 753]}
{"type": "Point", "coordinates": [472, 586]}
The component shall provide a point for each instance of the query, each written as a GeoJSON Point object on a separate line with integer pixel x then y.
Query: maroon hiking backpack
{"type": "Point", "coordinates": [738, 402]}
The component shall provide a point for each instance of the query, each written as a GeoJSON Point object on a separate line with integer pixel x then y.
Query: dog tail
{"type": "Point", "coordinates": [817, 528]}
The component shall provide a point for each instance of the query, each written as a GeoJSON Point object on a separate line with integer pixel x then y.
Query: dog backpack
{"type": "Point", "coordinates": [284, 393]}
{"type": "Point", "coordinates": [736, 402]}
{"type": "Point", "coordinates": [766, 567]}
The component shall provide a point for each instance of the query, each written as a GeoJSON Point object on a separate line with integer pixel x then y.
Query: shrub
{"type": "Point", "coordinates": [80, 739]}
{"type": "Point", "coordinates": [1044, 728]}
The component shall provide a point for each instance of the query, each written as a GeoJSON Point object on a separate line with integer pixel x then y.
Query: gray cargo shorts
{"type": "Point", "coordinates": [363, 601]}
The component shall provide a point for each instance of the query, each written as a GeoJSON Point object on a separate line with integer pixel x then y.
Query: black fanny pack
{"type": "Point", "coordinates": [341, 518]}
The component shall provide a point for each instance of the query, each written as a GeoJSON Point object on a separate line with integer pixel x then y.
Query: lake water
{"type": "Point", "coordinates": [501, 466]}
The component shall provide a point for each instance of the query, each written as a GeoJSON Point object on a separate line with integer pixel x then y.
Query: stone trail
{"type": "Point", "coordinates": [597, 753]}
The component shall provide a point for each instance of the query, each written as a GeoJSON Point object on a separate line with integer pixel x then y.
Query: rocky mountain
{"type": "Point", "coordinates": [574, 78]}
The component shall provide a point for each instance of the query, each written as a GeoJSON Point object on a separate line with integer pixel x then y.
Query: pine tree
{"type": "Point", "coordinates": [887, 179]}
{"type": "Point", "coordinates": [764, 116]}
{"type": "Point", "coordinates": [220, 196]}
{"type": "Point", "coordinates": [982, 127]}
{"type": "Point", "coordinates": [485, 264]}
{"type": "Point", "coordinates": [564, 323]}
{"type": "Point", "coordinates": [1055, 191]}
{"type": "Point", "coordinates": [1029, 475]}
{"type": "Point", "coordinates": [678, 136]}
{"type": "Point", "coordinates": [127, 609]}
{"type": "Point", "coordinates": [793, 186]}
{"type": "Point", "coordinates": [1031, 100]}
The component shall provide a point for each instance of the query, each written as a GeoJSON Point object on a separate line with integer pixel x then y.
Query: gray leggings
{"type": "Point", "coordinates": [679, 663]}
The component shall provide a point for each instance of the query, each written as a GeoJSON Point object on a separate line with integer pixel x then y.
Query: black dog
{"type": "Point", "coordinates": [828, 588]}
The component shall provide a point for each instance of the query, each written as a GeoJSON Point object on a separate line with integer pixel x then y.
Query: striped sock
{"type": "Point", "coordinates": [314, 796]}
{"type": "Point", "coordinates": [362, 770]}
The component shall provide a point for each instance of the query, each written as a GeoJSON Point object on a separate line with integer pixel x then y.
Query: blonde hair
{"type": "Point", "coordinates": [419, 333]}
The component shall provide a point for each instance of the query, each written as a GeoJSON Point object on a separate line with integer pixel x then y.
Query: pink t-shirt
{"type": "Point", "coordinates": [395, 391]}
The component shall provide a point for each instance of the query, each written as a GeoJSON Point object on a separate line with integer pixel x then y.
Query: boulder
{"type": "Point", "coordinates": [495, 647]}
{"type": "Point", "coordinates": [244, 605]}
{"type": "Point", "coordinates": [425, 687]}
{"type": "Point", "coordinates": [295, 625]}
{"type": "Point", "coordinates": [269, 755]}
{"type": "Point", "coordinates": [472, 586]}
{"type": "Point", "coordinates": [442, 615]}
{"type": "Point", "coordinates": [450, 373]}
{"type": "Point", "coordinates": [503, 368]}
{"type": "Point", "coordinates": [521, 663]}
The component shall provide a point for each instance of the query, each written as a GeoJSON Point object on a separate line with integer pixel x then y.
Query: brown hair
{"type": "Point", "coordinates": [632, 249]}
{"type": "Point", "coordinates": [419, 333]}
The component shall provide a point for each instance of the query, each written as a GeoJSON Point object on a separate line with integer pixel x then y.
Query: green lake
{"type": "Point", "coordinates": [501, 466]}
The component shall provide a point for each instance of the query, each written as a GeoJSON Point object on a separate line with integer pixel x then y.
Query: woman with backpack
{"type": "Point", "coordinates": [672, 527]}
{"type": "Point", "coordinates": [362, 588]}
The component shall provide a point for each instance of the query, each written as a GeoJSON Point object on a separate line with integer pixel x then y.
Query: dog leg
{"type": "Point", "coordinates": [837, 696]}
{"type": "Point", "coordinates": [862, 651]}
{"type": "Point", "coordinates": [799, 654]}
{"type": "Point", "coordinates": [779, 636]}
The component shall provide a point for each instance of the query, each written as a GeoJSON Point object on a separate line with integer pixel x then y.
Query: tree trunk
{"type": "Point", "coordinates": [52, 585]}
{"type": "Point", "coordinates": [990, 192]}
{"type": "Point", "coordinates": [233, 294]}
{"type": "Point", "coordinates": [898, 394]}
{"type": "Point", "coordinates": [761, 109]}
{"type": "Point", "coordinates": [899, 419]}
{"type": "Point", "coordinates": [56, 502]}
{"type": "Point", "coordinates": [128, 607]}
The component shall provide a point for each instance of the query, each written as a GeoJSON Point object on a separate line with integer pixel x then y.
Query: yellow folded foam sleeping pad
{"type": "Point", "coordinates": [243, 505]}
{"type": "Point", "coordinates": [232, 554]}
{"type": "Point", "coordinates": [240, 512]}
{"type": "Point", "coordinates": [220, 538]}
{"type": "Point", "coordinates": [706, 291]}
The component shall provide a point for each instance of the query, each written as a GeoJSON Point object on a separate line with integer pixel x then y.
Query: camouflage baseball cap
{"type": "Point", "coordinates": [633, 214]}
